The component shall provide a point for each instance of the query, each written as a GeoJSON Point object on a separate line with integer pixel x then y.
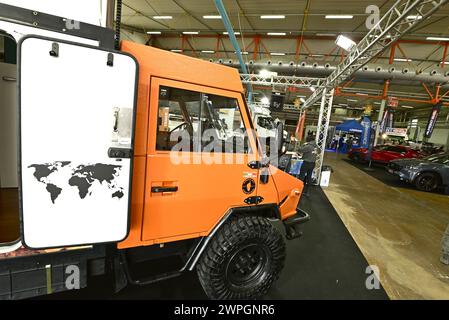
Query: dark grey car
{"type": "Point", "coordinates": [427, 174]}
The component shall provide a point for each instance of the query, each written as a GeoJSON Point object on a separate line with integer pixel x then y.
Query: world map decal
{"type": "Point", "coordinates": [82, 177]}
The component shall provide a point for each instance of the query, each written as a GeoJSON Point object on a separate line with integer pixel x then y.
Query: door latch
{"type": "Point", "coordinates": [163, 189]}
{"type": "Point", "coordinates": [120, 153]}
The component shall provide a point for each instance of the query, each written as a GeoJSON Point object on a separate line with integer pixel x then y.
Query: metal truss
{"type": "Point", "coordinates": [286, 106]}
{"type": "Point", "coordinates": [392, 26]}
{"type": "Point", "coordinates": [284, 81]}
{"type": "Point", "coordinates": [321, 130]}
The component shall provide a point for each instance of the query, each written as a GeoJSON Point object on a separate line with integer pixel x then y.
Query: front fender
{"type": "Point", "coordinates": [289, 191]}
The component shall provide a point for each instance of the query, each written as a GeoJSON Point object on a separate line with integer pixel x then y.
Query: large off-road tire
{"type": "Point", "coordinates": [243, 259]}
{"type": "Point", "coordinates": [427, 181]}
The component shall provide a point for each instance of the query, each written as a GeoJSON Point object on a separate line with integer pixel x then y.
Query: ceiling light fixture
{"type": "Point", "coordinates": [414, 17]}
{"type": "Point", "coordinates": [339, 16]}
{"type": "Point", "coordinates": [276, 34]}
{"type": "Point", "coordinates": [264, 73]}
{"type": "Point", "coordinates": [236, 33]}
{"type": "Point", "coordinates": [326, 34]}
{"type": "Point", "coordinates": [402, 60]}
{"type": "Point", "coordinates": [190, 32]}
{"type": "Point", "coordinates": [272, 16]}
{"type": "Point", "coordinates": [162, 17]}
{"type": "Point", "coordinates": [277, 54]}
{"type": "Point", "coordinates": [407, 107]}
{"type": "Point", "coordinates": [437, 39]}
{"type": "Point", "coordinates": [176, 50]}
{"type": "Point", "coordinates": [345, 43]}
{"type": "Point", "coordinates": [207, 51]}
{"type": "Point", "coordinates": [153, 32]}
{"type": "Point", "coordinates": [212, 17]}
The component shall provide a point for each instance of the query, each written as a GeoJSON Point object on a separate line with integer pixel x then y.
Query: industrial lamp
{"type": "Point", "coordinates": [345, 43]}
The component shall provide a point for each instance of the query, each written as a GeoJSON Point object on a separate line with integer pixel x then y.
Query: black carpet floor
{"type": "Point", "coordinates": [324, 264]}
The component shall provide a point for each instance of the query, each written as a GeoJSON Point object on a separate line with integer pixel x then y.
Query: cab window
{"type": "Point", "coordinates": [222, 126]}
{"type": "Point", "coordinates": [178, 118]}
{"type": "Point", "coordinates": [196, 121]}
{"type": "Point", "coordinates": [396, 149]}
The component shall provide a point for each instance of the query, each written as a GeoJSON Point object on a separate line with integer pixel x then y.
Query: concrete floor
{"type": "Point", "coordinates": [399, 229]}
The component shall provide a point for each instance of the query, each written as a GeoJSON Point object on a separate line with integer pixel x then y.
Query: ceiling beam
{"type": "Point", "coordinates": [244, 14]}
{"type": "Point", "coordinates": [191, 15]}
{"type": "Point", "coordinates": [146, 16]}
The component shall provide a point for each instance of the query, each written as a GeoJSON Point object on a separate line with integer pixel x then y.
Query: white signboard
{"type": "Point", "coordinates": [399, 132]}
{"type": "Point", "coordinates": [88, 11]}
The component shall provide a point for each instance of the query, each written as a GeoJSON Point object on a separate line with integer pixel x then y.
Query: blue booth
{"type": "Point", "coordinates": [355, 129]}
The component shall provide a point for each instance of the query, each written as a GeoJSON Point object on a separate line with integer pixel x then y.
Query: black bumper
{"type": "Point", "coordinates": [291, 224]}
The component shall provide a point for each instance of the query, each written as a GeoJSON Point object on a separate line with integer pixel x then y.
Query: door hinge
{"type": "Point", "coordinates": [110, 61]}
{"type": "Point", "coordinates": [254, 200]}
{"type": "Point", "coordinates": [258, 164]}
{"type": "Point", "coordinates": [54, 52]}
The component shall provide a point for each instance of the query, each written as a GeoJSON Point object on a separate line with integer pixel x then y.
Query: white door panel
{"type": "Point", "coordinates": [73, 109]}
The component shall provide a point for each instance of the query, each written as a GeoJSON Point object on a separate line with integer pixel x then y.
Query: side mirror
{"type": "Point", "coordinates": [280, 141]}
{"type": "Point", "coordinates": [264, 176]}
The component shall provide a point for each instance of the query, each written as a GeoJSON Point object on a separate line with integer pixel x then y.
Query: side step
{"type": "Point", "coordinates": [145, 281]}
{"type": "Point", "coordinates": [291, 224]}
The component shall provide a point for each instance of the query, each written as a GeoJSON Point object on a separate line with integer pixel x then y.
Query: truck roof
{"type": "Point", "coordinates": [169, 65]}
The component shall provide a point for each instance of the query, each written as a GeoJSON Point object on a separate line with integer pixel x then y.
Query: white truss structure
{"type": "Point", "coordinates": [322, 128]}
{"type": "Point", "coordinates": [392, 26]}
{"type": "Point", "coordinates": [287, 106]}
{"type": "Point", "coordinates": [284, 81]}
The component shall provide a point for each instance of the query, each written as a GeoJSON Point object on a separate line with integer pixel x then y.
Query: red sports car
{"type": "Point", "coordinates": [384, 153]}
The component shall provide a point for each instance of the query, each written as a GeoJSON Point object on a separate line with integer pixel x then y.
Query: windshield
{"type": "Point", "coordinates": [438, 158]}
{"type": "Point", "coordinates": [266, 122]}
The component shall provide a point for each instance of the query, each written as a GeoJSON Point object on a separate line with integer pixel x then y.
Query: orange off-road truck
{"type": "Point", "coordinates": [127, 163]}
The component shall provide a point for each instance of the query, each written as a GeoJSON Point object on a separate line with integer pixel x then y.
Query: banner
{"type": "Point", "coordinates": [366, 135]}
{"type": "Point", "coordinates": [387, 120]}
{"type": "Point", "coordinates": [393, 102]}
{"type": "Point", "coordinates": [432, 120]}
{"type": "Point", "coordinates": [300, 127]}
{"type": "Point", "coordinates": [277, 102]}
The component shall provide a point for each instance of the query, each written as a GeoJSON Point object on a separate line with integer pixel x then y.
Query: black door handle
{"type": "Point", "coordinates": [9, 79]}
{"type": "Point", "coordinates": [163, 189]}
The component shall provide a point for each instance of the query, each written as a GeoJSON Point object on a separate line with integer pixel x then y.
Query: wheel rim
{"type": "Point", "coordinates": [248, 265]}
{"type": "Point", "coordinates": [427, 183]}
